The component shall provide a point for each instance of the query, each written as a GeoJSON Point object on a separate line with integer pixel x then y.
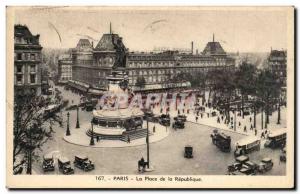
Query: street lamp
{"type": "Point", "coordinates": [147, 141]}
{"type": "Point", "coordinates": [68, 133]}
{"type": "Point", "coordinates": [77, 123]}
{"type": "Point", "coordinates": [92, 136]}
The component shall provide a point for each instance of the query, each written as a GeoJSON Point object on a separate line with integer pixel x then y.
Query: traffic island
{"type": "Point", "coordinates": [79, 137]}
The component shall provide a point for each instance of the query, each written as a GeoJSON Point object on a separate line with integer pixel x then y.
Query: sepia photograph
{"type": "Point", "coordinates": [150, 97]}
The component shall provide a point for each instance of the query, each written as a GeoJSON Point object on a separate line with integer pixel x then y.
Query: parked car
{"type": "Point", "coordinates": [48, 163]}
{"type": "Point", "coordinates": [265, 165]}
{"type": "Point", "coordinates": [234, 167]}
{"type": "Point", "coordinates": [251, 165]}
{"type": "Point", "coordinates": [247, 171]}
{"type": "Point", "coordinates": [64, 165]}
{"type": "Point", "coordinates": [242, 159]}
{"type": "Point", "coordinates": [83, 163]}
{"type": "Point", "coordinates": [188, 151]}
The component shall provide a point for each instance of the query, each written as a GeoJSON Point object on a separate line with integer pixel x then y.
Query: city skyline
{"type": "Point", "coordinates": [146, 29]}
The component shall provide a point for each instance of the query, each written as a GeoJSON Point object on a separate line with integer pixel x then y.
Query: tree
{"type": "Point", "coordinates": [222, 82]}
{"type": "Point", "coordinates": [31, 129]}
{"type": "Point", "coordinates": [245, 81]}
{"type": "Point", "coordinates": [140, 82]}
{"type": "Point", "coordinates": [267, 90]}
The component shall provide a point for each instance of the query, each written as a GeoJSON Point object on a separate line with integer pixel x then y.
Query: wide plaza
{"type": "Point", "coordinates": [166, 153]}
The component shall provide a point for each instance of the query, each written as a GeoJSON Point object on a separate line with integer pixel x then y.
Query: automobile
{"type": "Point", "coordinates": [282, 156]}
{"type": "Point", "coordinates": [164, 120]}
{"type": "Point", "coordinates": [64, 165]}
{"type": "Point", "coordinates": [242, 159]}
{"type": "Point", "coordinates": [265, 165]}
{"type": "Point", "coordinates": [234, 167]}
{"type": "Point", "coordinates": [247, 171]}
{"type": "Point", "coordinates": [83, 162]}
{"type": "Point", "coordinates": [251, 165]}
{"type": "Point", "coordinates": [188, 151]}
{"type": "Point", "coordinates": [180, 118]}
{"type": "Point", "coordinates": [178, 124]}
{"type": "Point", "coordinates": [48, 163]}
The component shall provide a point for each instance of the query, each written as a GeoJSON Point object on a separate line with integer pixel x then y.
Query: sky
{"type": "Point", "coordinates": [144, 29]}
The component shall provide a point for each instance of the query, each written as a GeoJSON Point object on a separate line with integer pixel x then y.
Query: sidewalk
{"type": "Point", "coordinates": [212, 121]}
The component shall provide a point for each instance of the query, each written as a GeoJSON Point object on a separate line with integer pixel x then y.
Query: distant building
{"type": "Point", "coordinates": [64, 68]}
{"type": "Point", "coordinates": [91, 65]}
{"type": "Point", "coordinates": [27, 61]}
{"type": "Point", "coordinates": [277, 63]}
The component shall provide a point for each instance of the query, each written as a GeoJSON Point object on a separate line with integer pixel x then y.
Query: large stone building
{"type": "Point", "coordinates": [27, 61]}
{"type": "Point", "coordinates": [277, 64]}
{"type": "Point", "coordinates": [91, 65]}
{"type": "Point", "coordinates": [64, 68]}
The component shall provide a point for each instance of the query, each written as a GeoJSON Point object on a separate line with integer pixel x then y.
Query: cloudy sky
{"type": "Point", "coordinates": [144, 29]}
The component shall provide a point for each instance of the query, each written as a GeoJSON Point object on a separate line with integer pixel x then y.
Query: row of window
{"type": "Point", "coordinates": [155, 64]}
{"type": "Point", "coordinates": [20, 79]}
{"type": "Point", "coordinates": [27, 56]}
{"type": "Point", "coordinates": [20, 68]}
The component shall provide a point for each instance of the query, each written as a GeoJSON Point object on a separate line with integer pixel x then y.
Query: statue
{"type": "Point", "coordinates": [120, 55]}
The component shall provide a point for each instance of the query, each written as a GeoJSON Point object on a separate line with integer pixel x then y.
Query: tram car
{"type": "Point", "coordinates": [221, 140]}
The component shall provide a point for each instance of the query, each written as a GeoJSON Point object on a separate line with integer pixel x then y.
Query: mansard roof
{"type": "Point", "coordinates": [23, 32]}
{"type": "Point", "coordinates": [109, 42]}
{"type": "Point", "coordinates": [213, 48]}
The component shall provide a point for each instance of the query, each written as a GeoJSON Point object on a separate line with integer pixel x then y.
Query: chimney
{"type": "Point", "coordinates": [192, 49]}
{"type": "Point", "coordinates": [213, 37]}
{"type": "Point", "coordinates": [110, 31]}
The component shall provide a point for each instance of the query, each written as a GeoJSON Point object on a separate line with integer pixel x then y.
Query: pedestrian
{"type": "Point", "coordinates": [250, 119]}
{"type": "Point", "coordinates": [239, 123]}
{"type": "Point", "coordinates": [207, 115]}
{"type": "Point", "coordinates": [196, 119]}
{"type": "Point", "coordinates": [188, 111]}
{"type": "Point", "coordinates": [161, 110]}
{"type": "Point", "coordinates": [201, 115]}
{"type": "Point", "coordinates": [222, 117]}
{"type": "Point", "coordinates": [178, 112]}
{"type": "Point", "coordinates": [245, 128]}
{"type": "Point", "coordinates": [251, 127]}
{"type": "Point", "coordinates": [154, 129]}
{"type": "Point", "coordinates": [263, 135]}
{"type": "Point", "coordinates": [218, 120]}
{"type": "Point", "coordinates": [255, 130]}
{"type": "Point", "coordinates": [128, 139]}
{"type": "Point", "coordinates": [97, 138]}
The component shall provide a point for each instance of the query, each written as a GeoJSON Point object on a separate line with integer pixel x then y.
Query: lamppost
{"type": "Point", "coordinates": [68, 133]}
{"type": "Point", "coordinates": [92, 136]}
{"type": "Point", "coordinates": [77, 123]}
{"type": "Point", "coordinates": [147, 141]}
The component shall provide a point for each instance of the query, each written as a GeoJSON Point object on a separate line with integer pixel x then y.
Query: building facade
{"type": "Point", "coordinates": [27, 61]}
{"type": "Point", "coordinates": [91, 65]}
{"type": "Point", "coordinates": [277, 63]}
{"type": "Point", "coordinates": [64, 68]}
